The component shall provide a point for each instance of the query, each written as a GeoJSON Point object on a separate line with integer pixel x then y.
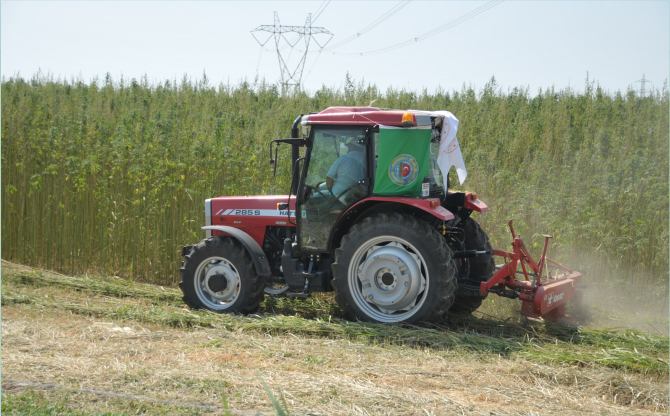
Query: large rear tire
{"type": "Point", "coordinates": [219, 275]}
{"type": "Point", "coordinates": [481, 267]}
{"type": "Point", "coordinates": [393, 268]}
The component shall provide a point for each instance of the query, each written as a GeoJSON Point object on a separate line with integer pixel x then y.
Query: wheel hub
{"type": "Point", "coordinates": [390, 278]}
{"type": "Point", "coordinates": [217, 283]}
{"type": "Point", "coordinates": [220, 282]}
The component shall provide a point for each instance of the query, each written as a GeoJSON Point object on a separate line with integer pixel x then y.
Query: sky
{"type": "Point", "coordinates": [530, 44]}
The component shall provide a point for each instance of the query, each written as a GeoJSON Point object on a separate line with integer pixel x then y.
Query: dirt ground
{"type": "Point", "coordinates": [149, 368]}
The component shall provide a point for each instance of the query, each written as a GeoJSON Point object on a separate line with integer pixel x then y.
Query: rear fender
{"type": "Point", "coordinates": [255, 251]}
{"type": "Point", "coordinates": [430, 205]}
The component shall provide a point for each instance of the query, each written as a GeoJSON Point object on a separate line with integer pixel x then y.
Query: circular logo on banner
{"type": "Point", "coordinates": [404, 170]}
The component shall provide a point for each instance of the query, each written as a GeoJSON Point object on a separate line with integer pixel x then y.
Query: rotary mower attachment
{"type": "Point", "coordinates": [544, 295]}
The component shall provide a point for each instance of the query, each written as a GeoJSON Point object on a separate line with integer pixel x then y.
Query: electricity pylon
{"type": "Point", "coordinates": [643, 86]}
{"type": "Point", "coordinates": [291, 79]}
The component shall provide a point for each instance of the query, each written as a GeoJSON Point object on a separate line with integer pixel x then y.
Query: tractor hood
{"type": "Point", "coordinates": [251, 214]}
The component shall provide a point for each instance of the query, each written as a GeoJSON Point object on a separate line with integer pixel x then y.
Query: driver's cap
{"type": "Point", "coordinates": [351, 139]}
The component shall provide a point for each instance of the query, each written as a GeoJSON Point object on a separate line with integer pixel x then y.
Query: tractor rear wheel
{"type": "Point", "coordinates": [481, 267]}
{"type": "Point", "coordinates": [218, 274]}
{"type": "Point", "coordinates": [393, 268]}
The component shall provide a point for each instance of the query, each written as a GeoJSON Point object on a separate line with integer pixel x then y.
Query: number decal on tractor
{"type": "Point", "coordinates": [247, 212]}
{"type": "Point", "coordinates": [254, 212]}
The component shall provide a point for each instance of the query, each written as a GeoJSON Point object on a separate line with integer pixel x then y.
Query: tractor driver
{"type": "Point", "coordinates": [347, 170]}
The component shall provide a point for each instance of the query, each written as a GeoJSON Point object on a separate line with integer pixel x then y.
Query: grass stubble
{"type": "Point", "coordinates": [108, 334]}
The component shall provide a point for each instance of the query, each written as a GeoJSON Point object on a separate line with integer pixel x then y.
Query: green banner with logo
{"type": "Point", "coordinates": [403, 161]}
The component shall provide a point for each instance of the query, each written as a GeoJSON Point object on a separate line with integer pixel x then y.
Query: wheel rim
{"type": "Point", "coordinates": [388, 278]}
{"type": "Point", "coordinates": [210, 275]}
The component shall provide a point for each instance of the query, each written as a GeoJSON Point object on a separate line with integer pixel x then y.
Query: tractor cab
{"type": "Point", "coordinates": [340, 167]}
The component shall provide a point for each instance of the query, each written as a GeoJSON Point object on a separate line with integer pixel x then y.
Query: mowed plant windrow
{"type": "Point", "coordinates": [109, 176]}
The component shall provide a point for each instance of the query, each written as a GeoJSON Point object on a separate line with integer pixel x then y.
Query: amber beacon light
{"type": "Point", "coordinates": [407, 120]}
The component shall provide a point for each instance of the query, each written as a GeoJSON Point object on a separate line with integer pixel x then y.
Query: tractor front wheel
{"type": "Point", "coordinates": [393, 268]}
{"type": "Point", "coordinates": [218, 274]}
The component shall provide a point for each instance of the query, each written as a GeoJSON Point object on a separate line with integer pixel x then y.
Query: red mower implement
{"type": "Point", "coordinates": [543, 297]}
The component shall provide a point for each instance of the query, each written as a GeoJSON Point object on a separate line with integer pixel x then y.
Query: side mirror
{"type": "Point", "coordinates": [273, 160]}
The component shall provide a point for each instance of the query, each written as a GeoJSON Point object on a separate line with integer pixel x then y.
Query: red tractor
{"type": "Point", "coordinates": [367, 217]}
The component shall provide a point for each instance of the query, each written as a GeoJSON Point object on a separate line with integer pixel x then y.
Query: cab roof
{"type": "Point", "coordinates": [370, 116]}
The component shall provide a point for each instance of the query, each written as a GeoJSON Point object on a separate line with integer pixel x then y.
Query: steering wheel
{"type": "Point", "coordinates": [326, 194]}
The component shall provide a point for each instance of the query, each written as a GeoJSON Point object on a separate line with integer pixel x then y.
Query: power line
{"type": "Point", "coordinates": [355, 36]}
{"type": "Point", "coordinates": [371, 26]}
{"type": "Point", "coordinates": [430, 33]}
{"type": "Point", "coordinates": [366, 29]}
{"type": "Point", "coordinates": [313, 65]}
{"type": "Point", "coordinates": [258, 64]}
{"type": "Point", "coordinates": [320, 10]}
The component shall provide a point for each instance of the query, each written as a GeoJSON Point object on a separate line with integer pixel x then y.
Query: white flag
{"type": "Point", "coordinates": [450, 152]}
